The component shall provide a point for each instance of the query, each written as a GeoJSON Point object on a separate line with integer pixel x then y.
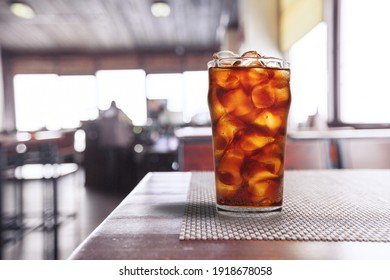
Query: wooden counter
{"type": "Point", "coordinates": [146, 225]}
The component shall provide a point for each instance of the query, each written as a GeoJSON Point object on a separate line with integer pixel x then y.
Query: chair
{"type": "Point", "coordinates": [38, 159]}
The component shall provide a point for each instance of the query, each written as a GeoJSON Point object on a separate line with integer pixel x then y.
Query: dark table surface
{"type": "Point", "coordinates": [146, 225]}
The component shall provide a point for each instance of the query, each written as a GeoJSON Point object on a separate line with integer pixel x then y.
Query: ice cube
{"type": "Point", "coordinates": [264, 192]}
{"type": "Point", "coordinates": [252, 54]}
{"type": "Point", "coordinates": [263, 96]}
{"type": "Point", "coordinates": [249, 62]}
{"type": "Point", "coordinates": [250, 59]}
{"type": "Point", "coordinates": [251, 116]}
{"type": "Point", "coordinates": [258, 75]}
{"type": "Point", "coordinates": [226, 191]}
{"type": "Point", "coordinates": [274, 149]}
{"type": "Point", "coordinates": [227, 127]}
{"type": "Point", "coordinates": [258, 170]}
{"type": "Point", "coordinates": [224, 54]}
{"type": "Point", "coordinates": [258, 189]}
{"type": "Point", "coordinates": [223, 59]}
{"type": "Point", "coordinates": [228, 170]}
{"type": "Point", "coordinates": [216, 108]}
{"type": "Point", "coordinates": [280, 78]}
{"type": "Point", "coordinates": [272, 163]}
{"type": "Point", "coordinates": [270, 121]}
{"type": "Point", "coordinates": [236, 101]}
{"type": "Point", "coordinates": [280, 83]}
{"type": "Point", "coordinates": [276, 63]}
{"type": "Point", "coordinates": [223, 79]}
{"type": "Point", "coordinates": [218, 76]}
{"type": "Point", "coordinates": [282, 96]}
{"type": "Point", "coordinates": [230, 81]}
{"type": "Point", "coordinates": [252, 140]}
{"type": "Point", "coordinates": [220, 144]}
{"type": "Point", "coordinates": [251, 77]}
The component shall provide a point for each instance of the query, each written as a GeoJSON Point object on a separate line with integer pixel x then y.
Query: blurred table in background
{"type": "Point", "coordinates": [344, 147]}
{"type": "Point", "coordinates": [153, 149]}
{"type": "Point", "coordinates": [195, 148]}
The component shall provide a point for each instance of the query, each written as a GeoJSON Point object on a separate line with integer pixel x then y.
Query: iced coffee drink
{"type": "Point", "coordinates": [249, 99]}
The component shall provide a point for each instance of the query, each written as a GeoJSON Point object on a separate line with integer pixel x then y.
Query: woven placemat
{"type": "Point", "coordinates": [316, 208]}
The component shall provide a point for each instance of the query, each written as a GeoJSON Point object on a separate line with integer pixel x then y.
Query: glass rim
{"type": "Point", "coordinates": [249, 62]}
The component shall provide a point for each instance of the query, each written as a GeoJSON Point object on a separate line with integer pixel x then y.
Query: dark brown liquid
{"type": "Point", "coordinates": [249, 108]}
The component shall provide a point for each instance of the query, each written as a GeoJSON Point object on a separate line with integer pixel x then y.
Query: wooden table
{"type": "Point", "coordinates": [146, 225]}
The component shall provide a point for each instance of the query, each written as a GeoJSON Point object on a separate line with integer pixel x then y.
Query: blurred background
{"type": "Point", "coordinates": [95, 94]}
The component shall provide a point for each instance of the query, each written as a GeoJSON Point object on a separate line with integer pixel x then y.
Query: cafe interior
{"type": "Point", "coordinates": [95, 95]}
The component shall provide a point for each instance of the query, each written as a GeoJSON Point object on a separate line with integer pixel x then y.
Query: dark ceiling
{"type": "Point", "coordinates": [116, 25]}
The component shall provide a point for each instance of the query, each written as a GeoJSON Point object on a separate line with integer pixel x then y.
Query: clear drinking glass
{"type": "Point", "coordinates": [249, 99]}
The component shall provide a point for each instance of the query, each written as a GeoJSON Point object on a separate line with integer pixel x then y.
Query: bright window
{"type": "Point", "coordinates": [77, 94]}
{"type": "Point", "coordinates": [185, 92]}
{"type": "Point", "coordinates": [195, 94]}
{"type": "Point", "coordinates": [49, 101]}
{"type": "Point", "coordinates": [127, 89]}
{"type": "Point", "coordinates": [166, 86]}
{"type": "Point", "coordinates": [308, 59]}
{"type": "Point", "coordinates": [53, 102]}
{"type": "Point", "coordinates": [364, 61]}
{"type": "Point", "coordinates": [33, 97]}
